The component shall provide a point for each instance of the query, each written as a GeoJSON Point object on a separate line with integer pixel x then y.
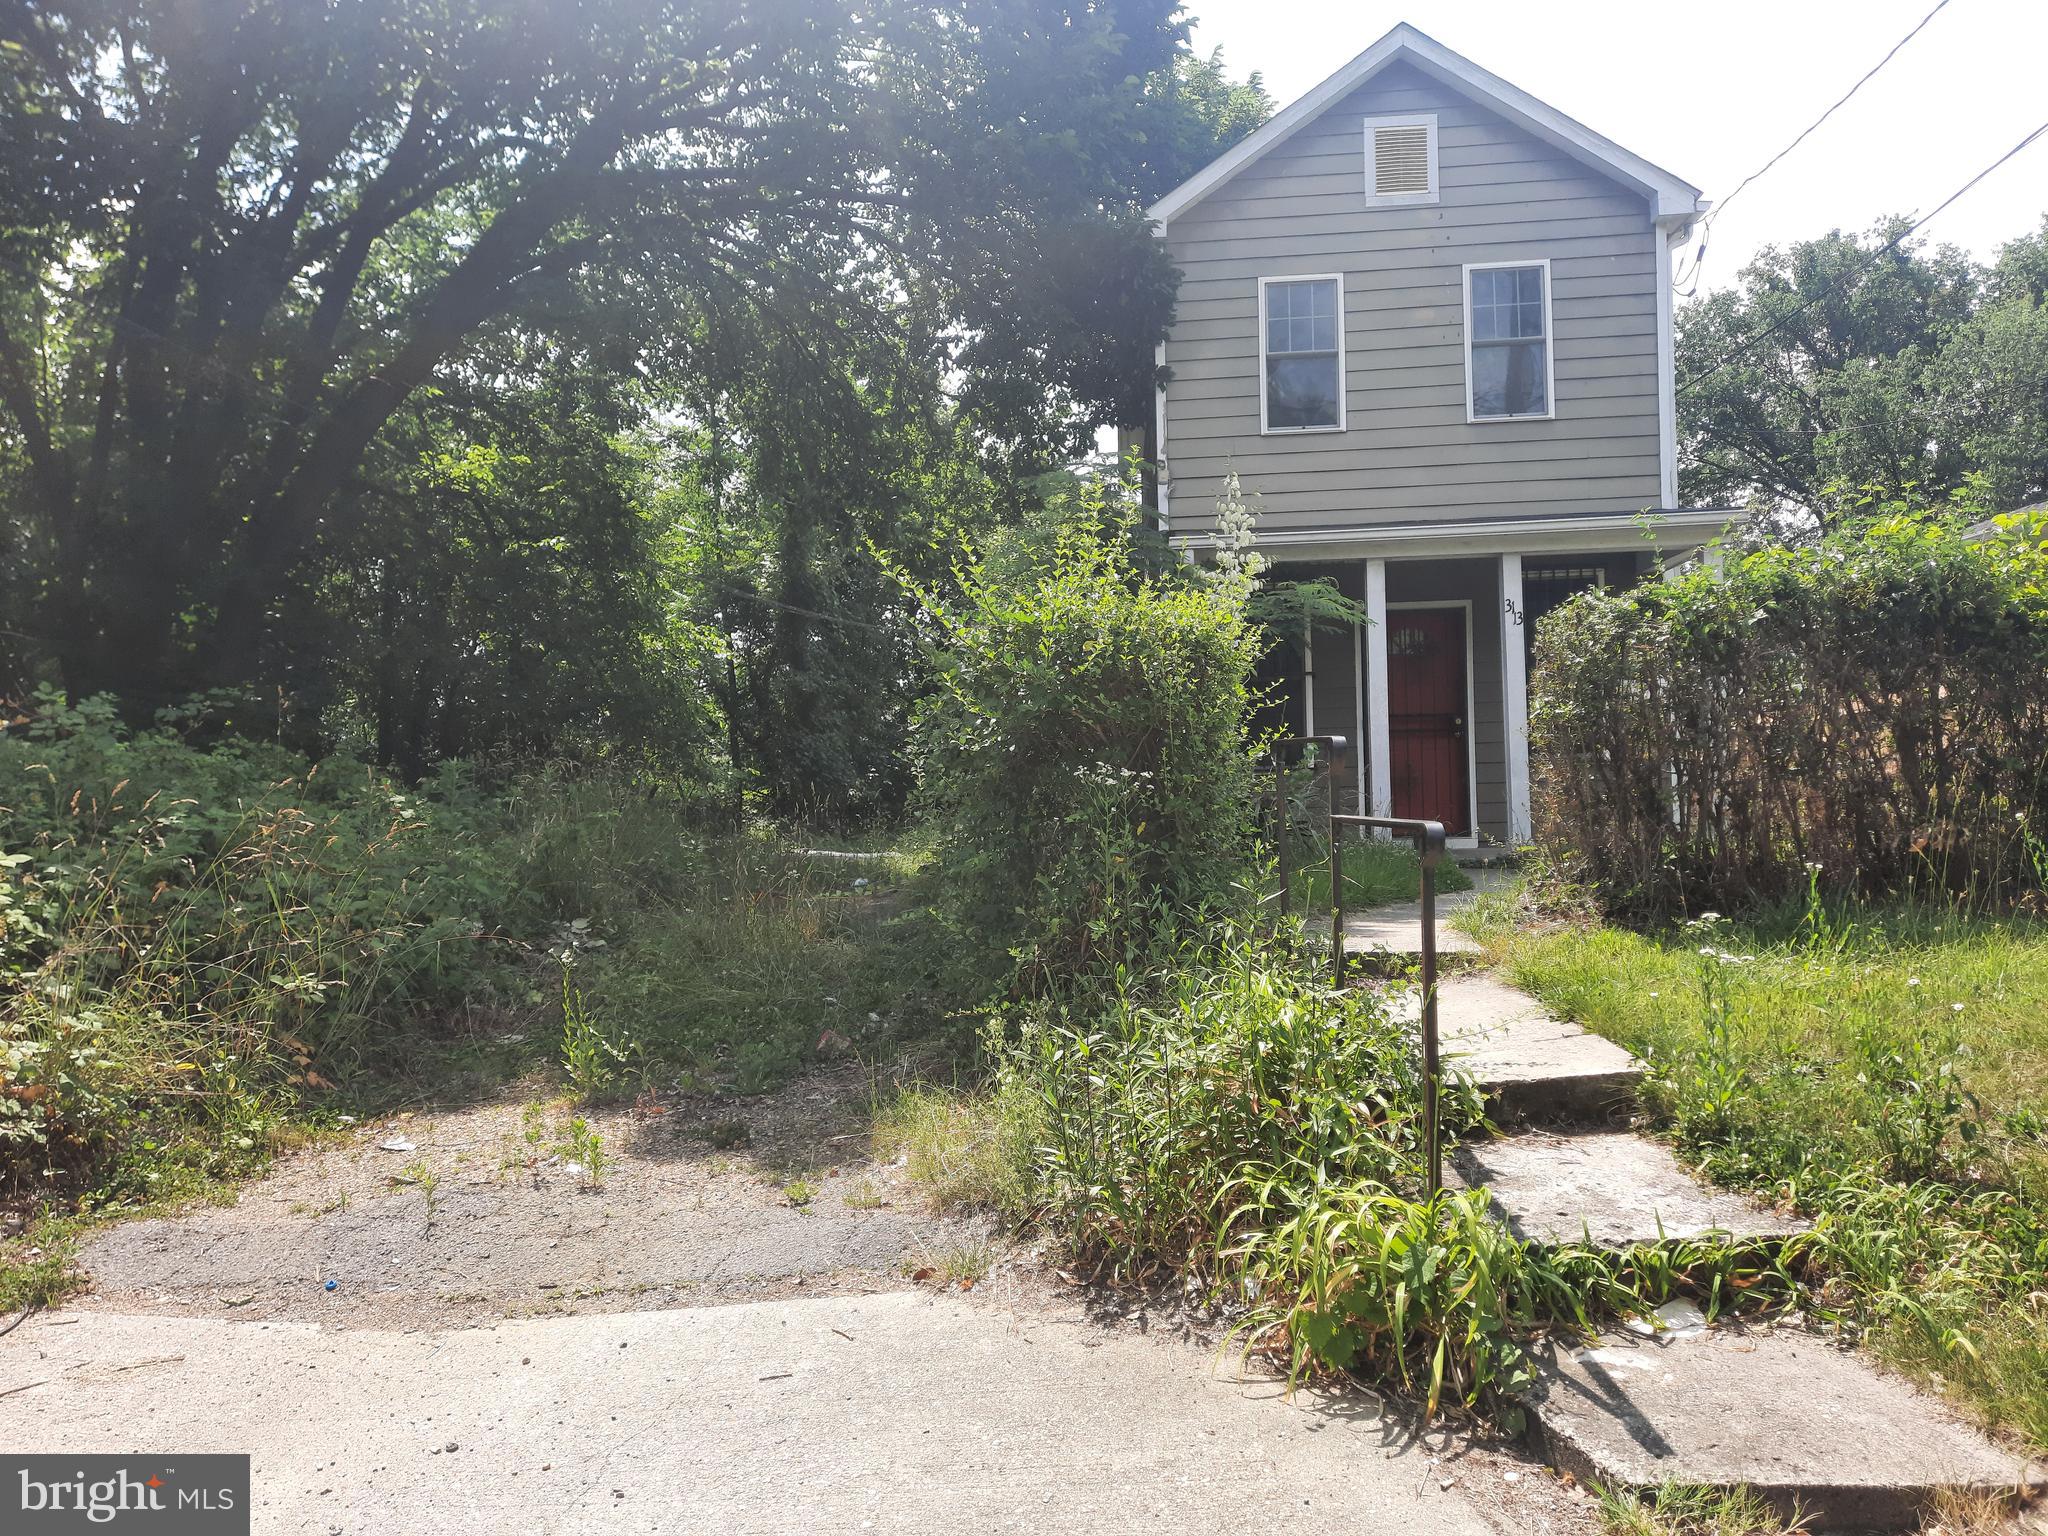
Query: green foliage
{"type": "Point", "coordinates": [200, 938]}
{"type": "Point", "coordinates": [823, 448]}
{"type": "Point", "coordinates": [1376, 874]}
{"type": "Point", "coordinates": [1682, 1509]}
{"type": "Point", "coordinates": [965, 1152]}
{"type": "Point", "coordinates": [1234, 1118]}
{"type": "Point", "coordinates": [1083, 759]}
{"type": "Point", "coordinates": [1864, 710]}
{"type": "Point", "coordinates": [1427, 1293]}
{"type": "Point", "coordinates": [1167, 1101]}
{"type": "Point", "coordinates": [592, 1060]}
{"type": "Point", "coordinates": [1918, 374]}
{"type": "Point", "coordinates": [583, 1146]}
{"type": "Point", "coordinates": [500, 589]}
{"type": "Point", "coordinates": [1207, 113]}
{"type": "Point", "coordinates": [210, 946]}
{"type": "Point", "coordinates": [338, 344]}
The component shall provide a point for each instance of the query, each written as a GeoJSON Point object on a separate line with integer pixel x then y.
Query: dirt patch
{"type": "Point", "coordinates": [488, 1211]}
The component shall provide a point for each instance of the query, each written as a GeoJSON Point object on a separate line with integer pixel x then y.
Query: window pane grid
{"type": "Point", "coordinates": [1302, 381]}
{"type": "Point", "coordinates": [1301, 317]}
{"type": "Point", "coordinates": [1510, 346]}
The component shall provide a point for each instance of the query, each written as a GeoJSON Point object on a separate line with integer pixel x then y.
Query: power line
{"type": "Point", "coordinates": [1875, 256]}
{"type": "Point", "coordinates": [1700, 257]}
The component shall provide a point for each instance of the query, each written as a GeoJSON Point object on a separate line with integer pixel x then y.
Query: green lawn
{"type": "Point", "coordinates": [1375, 875]}
{"type": "Point", "coordinates": [1887, 1070]}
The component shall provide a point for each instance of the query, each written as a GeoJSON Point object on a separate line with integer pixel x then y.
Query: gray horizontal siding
{"type": "Point", "coordinates": [1409, 454]}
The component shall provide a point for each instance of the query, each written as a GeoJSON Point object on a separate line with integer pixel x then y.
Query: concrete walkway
{"type": "Point", "coordinates": [896, 1412]}
{"type": "Point", "coordinates": [1396, 928]}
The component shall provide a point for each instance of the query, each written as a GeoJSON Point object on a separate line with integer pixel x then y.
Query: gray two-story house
{"type": "Point", "coordinates": [1426, 319]}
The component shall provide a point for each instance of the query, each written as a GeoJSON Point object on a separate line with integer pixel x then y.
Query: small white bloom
{"type": "Point", "coordinates": [1912, 981]}
{"type": "Point", "coordinates": [1957, 1006]}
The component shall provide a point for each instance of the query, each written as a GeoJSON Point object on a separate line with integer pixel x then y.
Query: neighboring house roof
{"type": "Point", "coordinates": [1989, 527]}
{"type": "Point", "coordinates": [1673, 202]}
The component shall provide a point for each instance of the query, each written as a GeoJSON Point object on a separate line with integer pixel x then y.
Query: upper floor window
{"type": "Point", "coordinates": [1400, 160]}
{"type": "Point", "coordinates": [1301, 354]}
{"type": "Point", "coordinates": [1507, 341]}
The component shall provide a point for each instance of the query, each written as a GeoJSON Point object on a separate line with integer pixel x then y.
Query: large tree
{"type": "Point", "coordinates": [244, 243]}
{"type": "Point", "coordinates": [1844, 368]}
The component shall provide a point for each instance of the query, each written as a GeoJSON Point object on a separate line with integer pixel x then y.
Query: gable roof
{"type": "Point", "coordinates": [1672, 202]}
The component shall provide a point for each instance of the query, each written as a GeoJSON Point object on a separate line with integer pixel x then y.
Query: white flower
{"type": "Point", "coordinates": [1957, 1006]}
{"type": "Point", "coordinates": [1912, 981]}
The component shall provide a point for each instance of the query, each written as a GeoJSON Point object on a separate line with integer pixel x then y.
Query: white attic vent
{"type": "Point", "coordinates": [1400, 160]}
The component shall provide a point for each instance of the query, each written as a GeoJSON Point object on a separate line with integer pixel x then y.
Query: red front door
{"type": "Point", "coordinates": [1426, 716]}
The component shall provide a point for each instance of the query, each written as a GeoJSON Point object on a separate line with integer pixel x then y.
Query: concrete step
{"type": "Point", "coordinates": [1781, 1411]}
{"type": "Point", "coordinates": [1533, 1067]}
{"type": "Point", "coordinates": [1614, 1186]}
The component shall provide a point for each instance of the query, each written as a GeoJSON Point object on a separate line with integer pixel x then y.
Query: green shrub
{"type": "Point", "coordinates": [1083, 758]}
{"type": "Point", "coordinates": [198, 938]}
{"type": "Point", "coordinates": [1866, 709]}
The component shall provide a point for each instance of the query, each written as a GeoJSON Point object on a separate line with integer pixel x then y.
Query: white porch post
{"type": "Point", "coordinates": [1308, 679]}
{"type": "Point", "coordinates": [1360, 801]}
{"type": "Point", "coordinates": [1378, 737]}
{"type": "Point", "coordinates": [1514, 684]}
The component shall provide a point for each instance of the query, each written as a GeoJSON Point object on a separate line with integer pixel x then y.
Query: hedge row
{"type": "Point", "coordinates": [1869, 711]}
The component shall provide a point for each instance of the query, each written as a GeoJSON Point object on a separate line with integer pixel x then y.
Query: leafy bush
{"type": "Point", "coordinates": [198, 937]}
{"type": "Point", "coordinates": [1083, 758]}
{"type": "Point", "coordinates": [1868, 706]}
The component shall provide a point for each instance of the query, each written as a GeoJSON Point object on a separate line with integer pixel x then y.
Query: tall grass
{"type": "Point", "coordinates": [1169, 1095]}
{"type": "Point", "coordinates": [200, 942]}
{"type": "Point", "coordinates": [210, 948]}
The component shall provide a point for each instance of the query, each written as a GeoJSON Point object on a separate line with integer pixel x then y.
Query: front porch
{"type": "Point", "coordinates": [1433, 690]}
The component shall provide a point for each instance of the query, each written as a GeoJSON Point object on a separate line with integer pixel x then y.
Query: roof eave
{"type": "Point", "coordinates": [1672, 201]}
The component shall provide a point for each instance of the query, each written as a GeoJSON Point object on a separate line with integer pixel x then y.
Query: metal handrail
{"type": "Point", "coordinates": [1428, 837]}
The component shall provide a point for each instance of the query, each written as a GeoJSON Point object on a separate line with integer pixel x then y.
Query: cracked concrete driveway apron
{"type": "Point", "coordinates": [901, 1411]}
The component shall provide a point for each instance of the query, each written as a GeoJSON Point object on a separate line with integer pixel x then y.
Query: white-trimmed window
{"type": "Point", "coordinates": [1509, 375]}
{"type": "Point", "coordinates": [1301, 353]}
{"type": "Point", "coordinates": [1400, 160]}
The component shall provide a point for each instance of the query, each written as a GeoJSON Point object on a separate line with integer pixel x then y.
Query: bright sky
{"type": "Point", "coordinates": [1710, 91]}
